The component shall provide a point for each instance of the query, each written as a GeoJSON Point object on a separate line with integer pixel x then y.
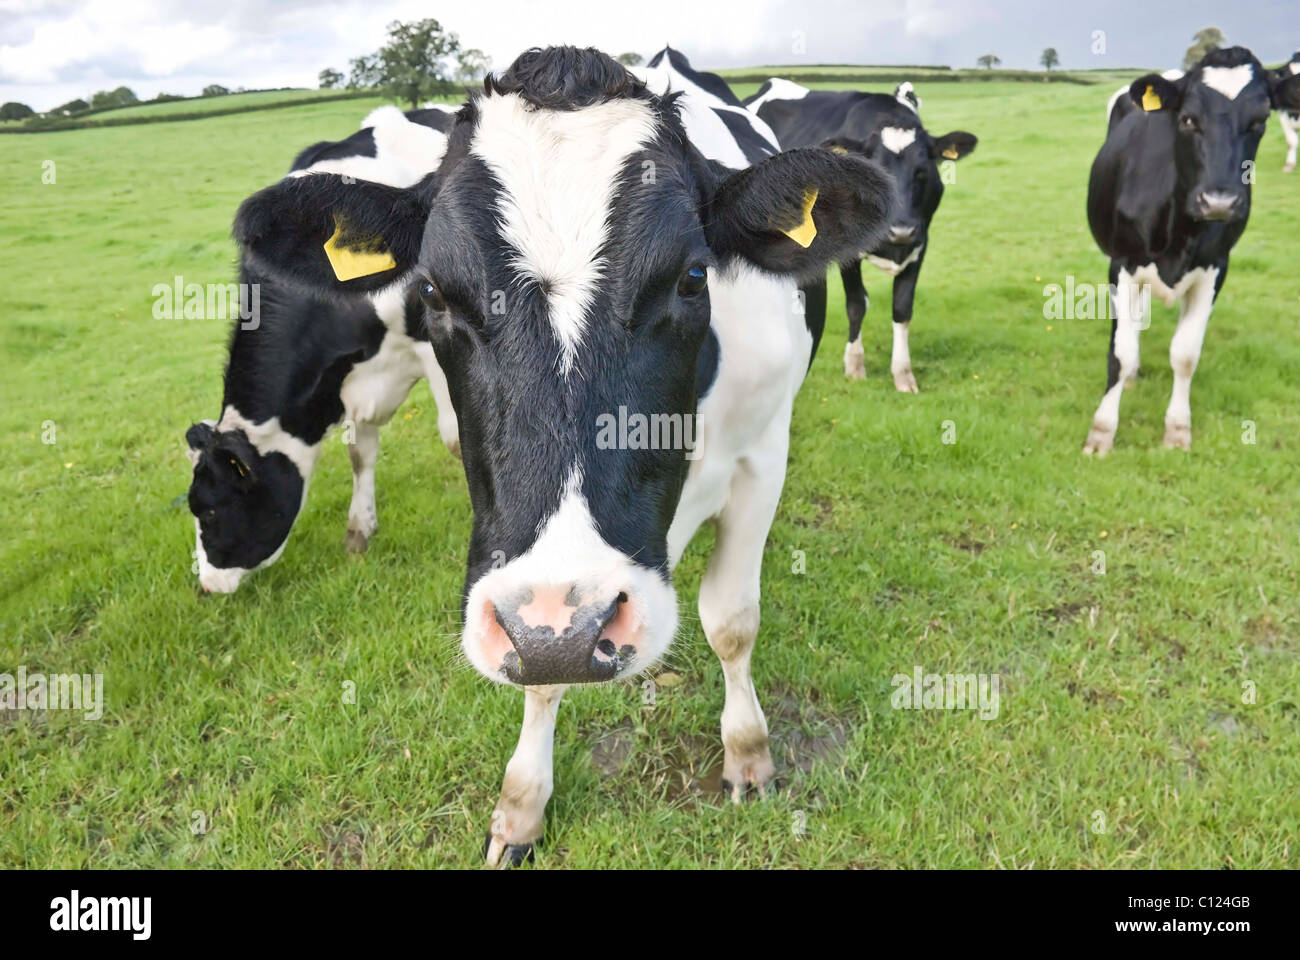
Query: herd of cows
{"type": "Point", "coordinates": [582, 238]}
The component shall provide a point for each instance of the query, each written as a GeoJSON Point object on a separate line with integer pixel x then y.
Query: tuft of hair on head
{"type": "Point", "coordinates": [566, 78]}
{"type": "Point", "coordinates": [1228, 57]}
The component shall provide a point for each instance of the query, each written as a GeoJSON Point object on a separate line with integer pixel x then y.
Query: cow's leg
{"type": "Point", "coordinates": [517, 820]}
{"type": "Point", "coordinates": [855, 304]}
{"type": "Point", "coordinates": [363, 519]}
{"type": "Point", "coordinates": [900, 363]}
{"type": "Point", "coordinates": [729, 605]}
{"type": "Point", "coordinates": [1184, 354]}
{"type": "Point", "coordinates": [448, 428]}
{"type": "Point", "coordinates": [1121, 363]}
{"type": "Point", "coordinates": [1292, 139]}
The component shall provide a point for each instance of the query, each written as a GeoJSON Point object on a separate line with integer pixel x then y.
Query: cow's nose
{"type": "Point", "coordinates": [902, 234]}
{"type": "Point", "coordinates": [1217, 206]}
{"type": "Point", "coordinates": [561, 637]}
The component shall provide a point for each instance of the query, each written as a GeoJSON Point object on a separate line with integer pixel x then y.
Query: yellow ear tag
{"type": "Point", "coordinates": [350, 263]}
{"type": "Point", "coordinates": [807, 230]}
{"type": "Point", "coordinates": [843, 151]}
{"type": "Point", "coordinates": [951, 153]}
{"type": "Point", "coordinates": [1151, 99]}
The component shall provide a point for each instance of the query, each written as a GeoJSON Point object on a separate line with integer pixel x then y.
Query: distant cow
{"type": "Point", "coordinates": [308, 363]}
{"type": "Point", "coordinates": [888, 130]}
{"type": "Point", "coordinates": [636, 278]}
{"type": "Point", "coordinates": [1287, 101]}
{"type": "Point", "coordinates": [1168, 198]}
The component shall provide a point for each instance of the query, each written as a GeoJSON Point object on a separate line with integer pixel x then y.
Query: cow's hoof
{"type": "Point", "coordinates": [904, 382]}
{"type": "Point", "coordinates": [356, 541]}
{"type": "Point", "coordinates": [502, 856]}
{"type": "Point", "coordinates": [1178, 436]}
{"type": "Point", "coordinates": [1100, 440]}
{"type": "Point", "coordinates": [749, 778]}
{"type": "Point", "coordinates": [855, 364]}
{"type": "Point", "coordinates": [1289, 168]}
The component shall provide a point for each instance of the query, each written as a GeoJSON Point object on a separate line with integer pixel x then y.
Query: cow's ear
{"type": "Point", "coordinates": [326, 232]}
{"type": "Point", "coordinates": [843, 145]}
{"type": "Point", "coordinates": [1153, 92]}
{"type": "Point", "coordinates": [236, 458]}
{"type": "Point", "coordinates": [953, 146]}
{"type": "Point", "coordinates": [196, 438]}
{"type": "Point", "coordinates": [799, 211]}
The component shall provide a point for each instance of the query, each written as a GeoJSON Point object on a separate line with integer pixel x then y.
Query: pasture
{"type": "Point", "coordinates": [1122, 738]}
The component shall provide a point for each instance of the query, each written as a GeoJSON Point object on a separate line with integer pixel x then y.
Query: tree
{"type": "Point", "coordinates": [988, 61]}
{"type": "Point", "coordinates": [15, 111]}
{"type": "Point", "coordinates": [72, 106]}
{"type": "Point", "coordinates": [121, 97]}
{"type": "Point", "coordinates": [330, 78]}
{"type": "Point", "coordinates": [630, 59]}
{"type": "Point", "coordinates": [472, 65]}
{"type": "Point", "coordinates": [215, 90]}
{"type": "Point", "coordinates": [1204, 40]}
{"type": "Point", "coordinates": [413, 65]}
{"type": "Point", "coordinates": [365, 72]}
{"type": "Point", "coordinates": [1050, 58]}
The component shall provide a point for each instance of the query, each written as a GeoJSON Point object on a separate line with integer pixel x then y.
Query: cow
{"type": "Point", "coordinates": [1287, 100]}
{"type": "Point", "coordinates": [1168, 198]}
{"type": "Point", "coordinates": [888, 129]}
{"type": "Point", "coordinates": [578, 257]}
{"type": "Point", "coordinates": [307, 364]}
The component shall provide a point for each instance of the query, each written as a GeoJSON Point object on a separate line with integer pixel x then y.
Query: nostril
{"type": "Point", "coordinates": [606, 646]}
{"type": "Point", "coordinates": [622, 597]}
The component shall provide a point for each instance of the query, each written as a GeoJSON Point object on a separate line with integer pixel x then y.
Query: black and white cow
{"type": "Point", "coordinates": [1287, 101]}
{"type": "Point", "coordinates": [887, 129]}
{"type": "Point", "coordinates": [1168, 198]}
{"type": "Point", "coordinates": [636, 276]}
{"type": "Point", "coordinates": [307, 364]}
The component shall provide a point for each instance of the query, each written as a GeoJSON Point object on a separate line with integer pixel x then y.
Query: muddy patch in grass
{"type": "Point", "coordinates": [688, 770]}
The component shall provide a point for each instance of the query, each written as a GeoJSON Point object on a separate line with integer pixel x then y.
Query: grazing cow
{"type": "Point", "coordinates": [1287, 100]}
{"type": "Point", "coordinates": [308, 363]}
{"type": "Point", "coordinates": [888, 130]}
{"type": "Point", "coordinates": [1168, 197]}
{"type": "Point", "coordinates": [579, 259]}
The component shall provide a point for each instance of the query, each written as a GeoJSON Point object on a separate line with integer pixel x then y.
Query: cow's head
{"type": "Point", "coordinates": [244, 502]}
{"type": "Point", "coordinates": [563, 252]}
{"type": "Point", "coordinates": [899, 143]}
{"type": "Point", "coordinates": [1219, 110]}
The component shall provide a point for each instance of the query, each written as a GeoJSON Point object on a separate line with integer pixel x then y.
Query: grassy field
{"type": "Point", "coordinates": [1122, 738]}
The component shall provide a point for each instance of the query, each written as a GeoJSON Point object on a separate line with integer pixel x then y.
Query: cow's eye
{"type": "Point", "coordinates": [693, 281]}
{"type": "Point", "coordinates": [431, 295]}
{"type": "Point", "coordinates": [1188, 122]}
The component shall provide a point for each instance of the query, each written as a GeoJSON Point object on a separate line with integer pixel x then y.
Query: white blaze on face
{"type": "Point", "coordinates": [558, 171]}
{"type": "Point", "coordinates": [1229, 81]}
{"type": "Point", "coordinates": [897, 139]}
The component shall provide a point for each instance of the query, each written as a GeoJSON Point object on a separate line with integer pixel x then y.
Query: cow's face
{"type": "Point", "coordinates": [1219, 112]}
{"type": "Point", "coordinates": [244, 504]}
{"type": "Point", "coordinates": [912, 157]}
{"type": "Point", "coordinates": [564, 261]}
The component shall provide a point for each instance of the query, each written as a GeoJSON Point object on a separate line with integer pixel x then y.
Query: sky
{"type": "Point", "coordinates": [54, 50]}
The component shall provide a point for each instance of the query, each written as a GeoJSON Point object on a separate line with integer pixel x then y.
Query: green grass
{"type": "Point", "coordinates": [1121, 693]}
{"type": "Point", "coordinates": [230, 101]}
